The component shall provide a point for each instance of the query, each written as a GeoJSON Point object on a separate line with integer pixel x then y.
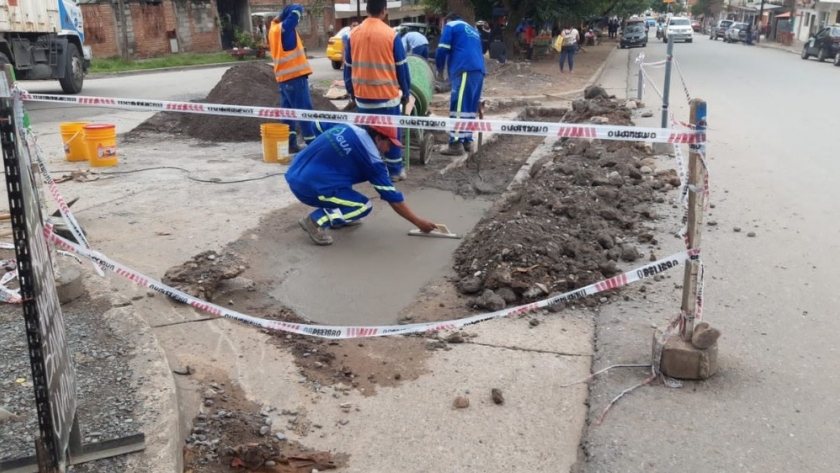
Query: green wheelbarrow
{"type": "Point", "coordinates": [422, 91]}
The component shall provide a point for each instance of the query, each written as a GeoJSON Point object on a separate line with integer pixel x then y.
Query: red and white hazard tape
{"type": "Point", "coordinates": [340, 332]}
{"type": "Point", "coordinates": [11, 296]}
{"type": "Point", "coordinates": [72, 224]}
{"type": "Point", "coordinates": [563, 130]}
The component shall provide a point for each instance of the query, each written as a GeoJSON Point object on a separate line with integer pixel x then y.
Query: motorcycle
{"type": "Point", "coordinates": [660, 31]}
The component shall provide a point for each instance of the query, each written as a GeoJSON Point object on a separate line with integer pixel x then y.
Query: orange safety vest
{"type": "Point", "coordinates": [374, 72]}
{"type": "Point", "coordinates": [288, 65]}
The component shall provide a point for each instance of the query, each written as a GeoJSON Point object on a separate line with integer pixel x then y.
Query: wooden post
{"type": "Point", "coordinates": [696, 198]}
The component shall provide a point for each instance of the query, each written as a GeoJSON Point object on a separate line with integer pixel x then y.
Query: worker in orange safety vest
{"type": "Point", "coordinates": [376, 73]}
{"type": "Point", "coordinates": [291, 69]}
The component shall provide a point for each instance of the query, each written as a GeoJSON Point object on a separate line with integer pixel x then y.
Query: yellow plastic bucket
{"type": "Point", "coordinates": [101, 141]}
{"type": "Point", "coordinates": [72, 136]}
{"type": "Point", "coordinates": [275, 141]}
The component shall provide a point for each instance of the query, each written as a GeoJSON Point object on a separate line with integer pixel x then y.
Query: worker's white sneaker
{"type": "Point", "coordinates": [352, 223]}
{"type": "Point", "coordinates": [399, 177]}
{"type": "Point", "coordinates": [318, 235]}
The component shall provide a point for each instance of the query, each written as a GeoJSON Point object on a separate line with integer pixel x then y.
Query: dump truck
{"type": "Point", "coordinates": [44, 40]}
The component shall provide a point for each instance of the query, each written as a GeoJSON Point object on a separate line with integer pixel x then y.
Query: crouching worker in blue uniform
{"type": "Point", "coordinates": [323, 175]}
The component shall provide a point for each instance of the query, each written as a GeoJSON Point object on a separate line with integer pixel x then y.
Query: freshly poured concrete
{"type": "Point", "coordinates": [372, 271]}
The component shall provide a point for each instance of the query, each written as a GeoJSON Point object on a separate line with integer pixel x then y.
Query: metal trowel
{"type": "Point", "coordinates": [442, 231]}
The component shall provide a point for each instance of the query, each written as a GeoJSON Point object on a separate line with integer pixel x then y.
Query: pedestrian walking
{"type": "Point", "coordinates": [530, 34]}
{"type": "Point", "coordinates": [571, 37]}
{"type": "Point", "coordinates": [376, 73]}
{"type": "Point", "coordinates": [415, 43]}
{"type": "Point", "coordinates": [291, 69]}
{"type": "Point", "coordinates": [323, 176]}
{"type": "Point", "coordinates": [485, 32]}
{"type": "Point", "coordinates": [748, 39]}
{"type": "Point", "coordinates": [460, 51]}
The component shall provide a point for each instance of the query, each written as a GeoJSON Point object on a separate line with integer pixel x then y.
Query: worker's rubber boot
{"type": "Point", "coordinates": [468, 146]}
{"type": "Point", "coordinates": [456, 148]}
{"type": "Point", "coordinates": [318, 234]}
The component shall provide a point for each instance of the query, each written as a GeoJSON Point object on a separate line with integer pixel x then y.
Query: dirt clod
{"type": "Point", "coordinates": [489, 300]}
{"type": "Point", "coordinates": [496, 395]}
{"type": "Point", "coordinates": [595, 92]}
{"type": "Point", "coordinates": [455, 338]}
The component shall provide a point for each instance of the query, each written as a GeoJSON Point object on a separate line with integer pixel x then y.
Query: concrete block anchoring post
{"type": "Point", "coordinates": [69, 284]}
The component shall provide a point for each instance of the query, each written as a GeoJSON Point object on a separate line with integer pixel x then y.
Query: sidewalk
{"type": "Point", "coordinates": [794, 48]}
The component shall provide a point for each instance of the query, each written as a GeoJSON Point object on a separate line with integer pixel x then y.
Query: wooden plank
{"type": "Point", "coordinates": [696, 202]}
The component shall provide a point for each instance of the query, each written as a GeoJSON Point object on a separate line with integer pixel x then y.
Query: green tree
{"type": "Point", "coordinates": [707, 7]}
{"type": "Point", "coordinates": [566, 12]}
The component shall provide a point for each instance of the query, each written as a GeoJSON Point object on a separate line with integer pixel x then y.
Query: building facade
{"type": "Point", "coordinates": [137, 30]}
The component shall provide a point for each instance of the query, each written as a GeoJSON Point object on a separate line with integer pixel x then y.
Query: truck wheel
{"type": "Point", "coordinates": [74, 74]}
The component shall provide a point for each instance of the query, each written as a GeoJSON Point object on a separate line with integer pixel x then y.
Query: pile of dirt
{"type": "Point", "coordinates": [234, 433]}
{"type": "Point", "coordinates": [596, 109]}
{"type": "Point", "coordinates": [580, 213]}
{"type": "Point", "coordinates": [250, 84]}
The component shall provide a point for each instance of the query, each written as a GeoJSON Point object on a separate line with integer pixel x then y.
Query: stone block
{"type": "Point", "coordinates": [663, 149]}
{"type": "Point", "coordinates": [682, 360]}
{"type": "Point", "coordinates": [69, 286]}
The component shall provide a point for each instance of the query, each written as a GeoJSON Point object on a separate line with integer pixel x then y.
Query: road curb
{"type": "Point", "coordinates": [106, 75]}
{"type": "Point", "coordinates": [137, 72]}
{"type": "Point", "coordinates": [161, 424]}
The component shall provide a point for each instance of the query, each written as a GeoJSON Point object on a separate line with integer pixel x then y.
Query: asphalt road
{"type": "Point", "coordinates": [773, 406]}
{"type": "Point", "coordinates": [182, 85]}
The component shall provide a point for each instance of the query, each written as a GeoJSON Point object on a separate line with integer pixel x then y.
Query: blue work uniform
{"type": "Point", "coordinates": [416, 43]}
{"type": "Point", "coordinates": [294, 93]}
{"type": "Point", "coordinates": [381, 106]}
{"type": "Point", "coordinates": [460, 49]}
{"type": "Point", "coordinates": [323, 175]}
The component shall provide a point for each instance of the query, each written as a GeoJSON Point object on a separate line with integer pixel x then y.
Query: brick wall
{"type": "Point", "coordinates": [150, 26]}
{"type": "Point", "coordinates": [101, 29]}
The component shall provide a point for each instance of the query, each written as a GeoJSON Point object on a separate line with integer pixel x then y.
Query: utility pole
{"type": "Point", "coordinates": [760, 21]}
{"type": "Point", "coordinates": [666, 90]}
{"type": "Point", "coordinates": [359, 11]}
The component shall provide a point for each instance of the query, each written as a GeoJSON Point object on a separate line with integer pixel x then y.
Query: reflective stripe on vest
{"type": "Point", "coordinates": [374, 72]}
{"type": "Point", "coordinates": [292, 64]}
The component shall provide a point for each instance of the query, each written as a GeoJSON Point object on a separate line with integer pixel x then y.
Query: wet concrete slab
{"type": "Point", "coordinates": [372, 271]}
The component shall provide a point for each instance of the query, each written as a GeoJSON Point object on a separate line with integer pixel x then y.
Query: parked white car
{"type": "Point", "coordinates": [680, 29]}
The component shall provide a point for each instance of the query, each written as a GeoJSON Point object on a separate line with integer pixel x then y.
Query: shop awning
{"type": "Point", "coordinates": [783, 15]}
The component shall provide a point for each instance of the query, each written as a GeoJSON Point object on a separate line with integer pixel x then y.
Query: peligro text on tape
{"type": "Point", "coordinates": [564, 130]}
{"type": "Point", "coordinates": [325, 331]}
